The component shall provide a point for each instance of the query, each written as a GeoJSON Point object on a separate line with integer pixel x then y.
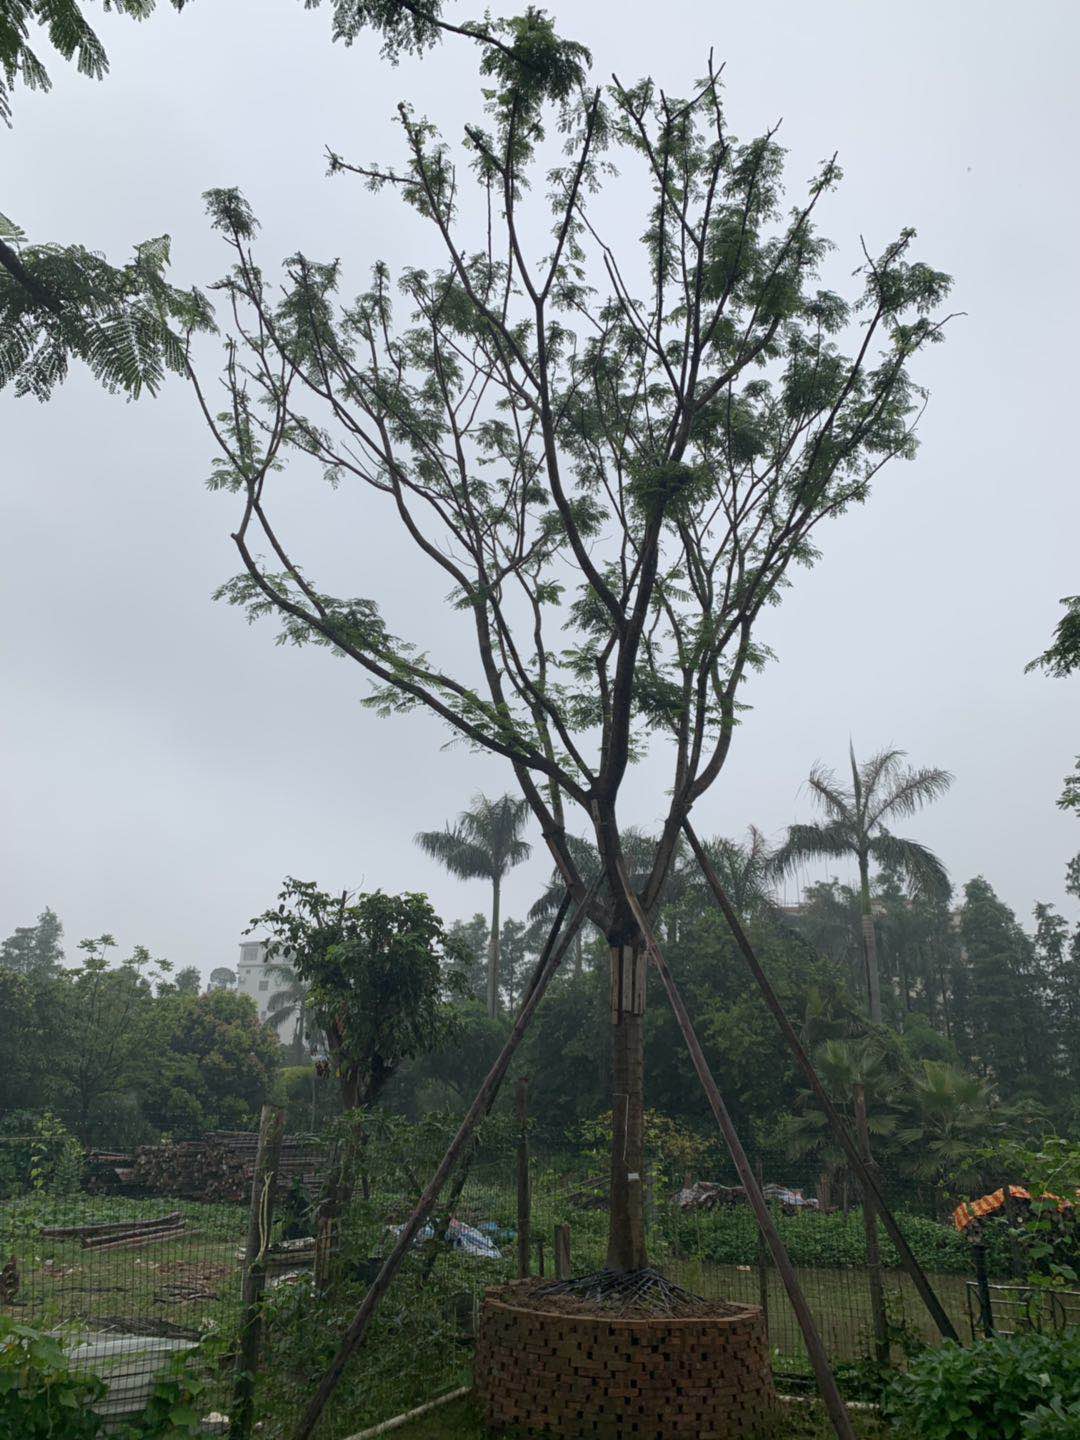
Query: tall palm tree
{"type": "Point", "coordinates": [484, 844]}
{"type": "Point", "coordinates": [882, 788]}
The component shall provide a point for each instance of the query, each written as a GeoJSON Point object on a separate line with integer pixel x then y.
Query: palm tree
{"type": "Point", "coordinates": [745, 871]}
{"type": "Point", "coordinates": [843, 1064]}
{"type": "Point", "coordinates": [854, 824]}
{"type": "Point", "coordinates": [289, 1002]}
{"type": "Point", "coordinates": [485, 844]}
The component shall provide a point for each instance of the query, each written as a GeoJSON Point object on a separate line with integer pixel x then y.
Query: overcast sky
{"type": "Point", "coordinates": [164, 765]}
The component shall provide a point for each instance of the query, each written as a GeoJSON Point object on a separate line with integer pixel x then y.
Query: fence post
{"type": "Point", "coordinates": [562, 1252]}
{"type": "Point", "coordinates": [260, 1218]}
{"type": "Point", "coordinates": [524, 1199]}
{"type": "Point", "coordinates": [762, 1259]}
{"type": "Point", "coordinates": [982, 1282]}
{"type": "Point", "coordinates": [873, 1252]}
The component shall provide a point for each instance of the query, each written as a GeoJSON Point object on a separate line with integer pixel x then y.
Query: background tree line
{"type": "Point", "coordinates": [978, 1040]}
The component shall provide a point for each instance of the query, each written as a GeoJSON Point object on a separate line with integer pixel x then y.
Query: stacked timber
{"type": "Point", "coordinates": [217, 1167]}
{"type": "Point", "coordinates": [109, 1172]}
{"type": "Point", "coordinates": [117, 1234]}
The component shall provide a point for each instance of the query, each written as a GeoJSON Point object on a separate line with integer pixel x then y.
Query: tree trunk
{"type": "Point", "coordinates": [873, 979]}
{"type": "Point", "coordinates": [626, 1225]}
{"type": "Point", "coordinates": [493, 951]}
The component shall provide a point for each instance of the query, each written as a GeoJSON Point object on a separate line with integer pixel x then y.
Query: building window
{"type": "Point", "coordinates": [264, 984]}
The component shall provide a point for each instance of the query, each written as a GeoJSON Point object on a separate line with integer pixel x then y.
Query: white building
{"type": "Point", "coordinates": [254, 978]}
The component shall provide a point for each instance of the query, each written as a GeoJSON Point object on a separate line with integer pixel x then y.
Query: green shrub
{"type": "Point", "coordinates": [40, 1397]}
{"type": "Point", "coordinates": [1002, 1389]}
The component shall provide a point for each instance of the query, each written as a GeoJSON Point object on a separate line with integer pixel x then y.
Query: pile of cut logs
{"type": "Point", "coordinates": [218, 1167]}
{"type": "Point", "coordinates": [118, 1233]}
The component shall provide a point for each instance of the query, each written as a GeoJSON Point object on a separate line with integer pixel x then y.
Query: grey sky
{"type": "Point", "coordinates": [164, 765]}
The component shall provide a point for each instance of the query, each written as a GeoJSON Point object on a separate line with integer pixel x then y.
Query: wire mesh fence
{"type": "Point", "coordinates": [129, 1279]}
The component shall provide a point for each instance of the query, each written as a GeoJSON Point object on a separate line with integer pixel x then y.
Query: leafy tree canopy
{"type": "Point", "coordinates": [378, 969]}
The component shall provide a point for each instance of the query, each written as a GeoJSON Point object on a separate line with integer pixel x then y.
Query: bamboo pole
{"type": "Point", "coordinates": [840, 1130]}
{"type": "Point", "coordinates": [546, 966]}
{"type": "Point", "coordinates": [826, 1380]}
{"type": "Point", "coordinates": [260, 1217]}
{"type": "Point", "coordinates": [410, 1415]}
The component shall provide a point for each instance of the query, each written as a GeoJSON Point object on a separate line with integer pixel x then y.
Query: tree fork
{"type": "Point", "coordinates": [840, 1130]}
{"type": "Point", "coordinates": [826, 1380]}
{"type": "Point", "coordinates": [546, 966]}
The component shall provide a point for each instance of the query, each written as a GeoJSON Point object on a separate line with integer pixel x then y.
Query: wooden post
{"type": "Point", "coordinates": [819, 1361]}
{"type": "Point", "coordinates": [873, 1253]}
{"type": "Point", "coordinates": [562, 1252]}
{"type": "Point", "coordinates": [549, 961]}
{"type": "Point", "coordinates": [539, 1242]}
{"type": "Point", "coordinates": [524, 1193]}
{"type": "Point", "coordinates": [762, 1258]}
{"type": "Point", "coordinates": [840, 1130]}
{"type": "Point", "coordinates": [260, 1218]}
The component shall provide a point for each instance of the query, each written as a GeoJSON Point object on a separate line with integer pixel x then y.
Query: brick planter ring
{"type": "Point", "coordinates": [576, 1375]}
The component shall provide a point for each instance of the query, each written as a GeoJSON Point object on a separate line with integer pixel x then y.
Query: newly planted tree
{"type": "Point", "coordinates": [484, 844]}
{"type": "Point", "coordinates": [613, 462]}
{"type": "Point", "coordinates": [856, 827]}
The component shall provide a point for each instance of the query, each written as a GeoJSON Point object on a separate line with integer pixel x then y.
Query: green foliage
{"type": "Point", "coordinates": [1063, 656]}
{"type": "Point", "coordinates": [35, 950]}
{"type": "Point", "coordinates": [1048, 1234]}
{"type": "Point", "coordinates": [40, 1397]}
{"type": "Point", "coordinates": [1001, 1389]}
{"type": "Point", "coordinates": [121, 1051]}
{"type": "Point", "coordinates": [64, 302]}
{"type": "Point", "coordinates": [378, 967]}
{"type": "Point", "coordinates": [69, 33]}
{"type": "Point", "coordinates": [213, 1063]}
{"type": "Point", "coordinates": [999, 993]}
{"type": "Point", "coordinates": [729, 1236]}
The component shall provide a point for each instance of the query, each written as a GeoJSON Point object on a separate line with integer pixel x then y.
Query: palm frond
{"type": "Point", "coordinates": [926, 876]}
{"type": "Point", "coordinates": [832, 799]}
{"type": "Point", "coordinates": [486, 840]}
{"type": "Point", "coordinates": [461, 856]}
{"type": "Point", "coordinates": [913, 790]}
{"type": "Point", "coordinates": [879, 769]}
{"type": "Point", "coordinates": [811, 842]}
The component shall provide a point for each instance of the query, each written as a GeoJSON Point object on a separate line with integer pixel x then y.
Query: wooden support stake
{"type": "Point", "coordinates": [545, 968]}
{"type": "Point", "coordinates": [524, 1193]}
{"type": "Point", "coordinates": [562, 1252]}
{"type": "Point", "coordinates": [840, 1130]}
{"type": "Point", "coordinates": [873, 1252]}
{"type": "Point", "coordinates": [819, 1361]}
{"type": "Point", "coordinates": [260, 1218]}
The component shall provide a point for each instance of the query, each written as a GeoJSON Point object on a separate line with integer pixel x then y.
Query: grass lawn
{"type": "Point", "coordinates": [460, 1420]}
{"type": "Point", "coordinates": [178, 1281]}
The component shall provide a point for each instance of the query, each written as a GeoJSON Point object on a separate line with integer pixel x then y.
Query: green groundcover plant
{"type": "Point", "coordinates": [729, 1237]}
{"type": "Point", "coordinates": [1018, 1388]}
{"type": "Point", "coordinates": [42, 1398]}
